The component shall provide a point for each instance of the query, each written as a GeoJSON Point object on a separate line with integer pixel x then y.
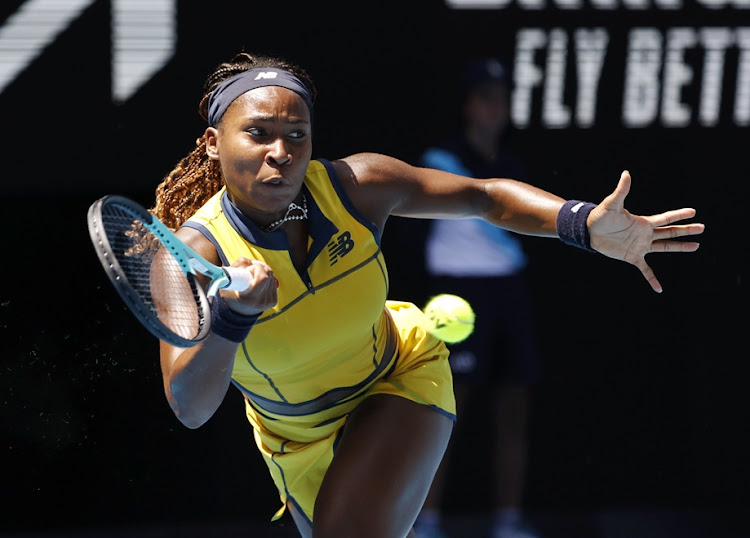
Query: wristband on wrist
{"type": "Point", "coordinates": [230, 324]}
{"type": "Point", "coordinates": [571, 224]}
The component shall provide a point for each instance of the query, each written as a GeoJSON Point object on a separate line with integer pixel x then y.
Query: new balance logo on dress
{"type": "Point", "coordinates": [340, 247]}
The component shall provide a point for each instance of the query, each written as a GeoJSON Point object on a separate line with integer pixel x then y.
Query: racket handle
{"type": "Point", "coordinates": [239, 278]}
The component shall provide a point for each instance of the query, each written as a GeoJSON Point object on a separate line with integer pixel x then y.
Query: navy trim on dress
{"type": "Point", "coordinates": [333, 397]}
{"type": "Point", "coordinates": [208, 235]}
{"type": "Point", "coordinates": [344, 197]}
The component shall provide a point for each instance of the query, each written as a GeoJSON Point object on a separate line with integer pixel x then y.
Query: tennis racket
{"type": "Point", "coordinates": [155, 273]}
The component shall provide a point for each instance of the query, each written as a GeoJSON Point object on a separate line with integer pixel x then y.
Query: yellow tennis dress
{"type": "Point", "coordinates": [331, 341]}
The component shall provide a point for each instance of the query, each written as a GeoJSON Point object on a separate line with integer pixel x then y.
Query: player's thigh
{"type": "Point", "coordinates": [382, 469]}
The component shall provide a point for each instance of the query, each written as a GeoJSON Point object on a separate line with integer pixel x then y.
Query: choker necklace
{"type": "Point", "coordinates": [289, 216]}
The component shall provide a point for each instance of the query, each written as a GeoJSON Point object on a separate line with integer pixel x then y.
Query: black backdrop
{"type": "Point", "coordinates": [643, 401]}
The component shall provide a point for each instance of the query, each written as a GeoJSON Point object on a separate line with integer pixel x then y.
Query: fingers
{"type": "Point", "coordinates": [663, 238]}
{"type": "Point", "coordinates": [649, 275]}
{"type": "Point", "coordinates": [258, 268]}
{"type": "Point", "coordinates": [624, 184]}
{"type": "Point", "coordinates": [261, 294]}
{"type": "Point", "coordinates": [262, 275]}
{"type": "Point", "coordinates": [616, 200]}
{"type": "Point", "coordinates": [668, 217]}
{"type": "Point", "coordinates": [672, 232]}
{"type": "Point", "coordinates": [247, 262]}
{"type": "Point", "coordinates": [674, 246]}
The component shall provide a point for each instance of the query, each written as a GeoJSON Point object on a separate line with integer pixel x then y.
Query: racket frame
{"type": "Point", "coordinates": [189, 261]}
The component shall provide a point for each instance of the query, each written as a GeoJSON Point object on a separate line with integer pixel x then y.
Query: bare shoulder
{"type": "Point", "coordinates": [199, 243]}
{"type": "Point", "coordinates": [374, 183]}
{"type": "Point", "coordinates": [366, 168]}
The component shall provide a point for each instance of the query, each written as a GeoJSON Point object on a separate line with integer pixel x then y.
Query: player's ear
{"type": "Point", "coordinates": [212, 143]}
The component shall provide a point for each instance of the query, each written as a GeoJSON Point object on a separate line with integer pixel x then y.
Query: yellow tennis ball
{"type": "Point", "coordinates": [451, 317]}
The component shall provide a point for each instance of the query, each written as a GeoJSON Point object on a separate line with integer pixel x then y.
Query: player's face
{"type": "Point", "coordinates": [264, 145]}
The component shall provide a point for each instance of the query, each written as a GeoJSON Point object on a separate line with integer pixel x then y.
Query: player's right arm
{"type": "Point", "coordinates": [381, 186]}
{"type": "Point", "coordinates": [196, 379]}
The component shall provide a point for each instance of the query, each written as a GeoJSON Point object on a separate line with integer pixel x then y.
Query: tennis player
{"type": "Point", "coordinates": [349, 398]}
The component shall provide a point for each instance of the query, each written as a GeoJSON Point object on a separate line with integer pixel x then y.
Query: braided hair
{"type": "Point", "coordinates": [196, 177]}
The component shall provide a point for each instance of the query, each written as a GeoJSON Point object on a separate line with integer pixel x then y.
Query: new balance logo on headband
{"type": "Point", "coordinates": [230, 89]}
{"type": "Point", "coordinates": [265, 74]}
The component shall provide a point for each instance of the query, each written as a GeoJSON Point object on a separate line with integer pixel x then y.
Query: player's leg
{"type": "Point", "coordinates": [430, 520]}
{"type": "Point", "coordinates": [469, 361]}
{"type": "Point", "coordinates": [382, 469]}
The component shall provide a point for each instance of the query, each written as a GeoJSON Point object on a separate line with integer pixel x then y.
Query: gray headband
{"type": "Point", "coordinates": [229, 90]}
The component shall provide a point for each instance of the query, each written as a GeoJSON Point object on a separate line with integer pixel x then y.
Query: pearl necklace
{"type": "Point", "coordinates": [288, 216]}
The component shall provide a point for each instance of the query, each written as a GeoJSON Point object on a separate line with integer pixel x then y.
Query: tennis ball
{"type": "Point", "coordinates": [451, 317]}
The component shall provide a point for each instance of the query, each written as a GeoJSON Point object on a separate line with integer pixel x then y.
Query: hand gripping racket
{"type": "Point", "coordinates": [155, 273]}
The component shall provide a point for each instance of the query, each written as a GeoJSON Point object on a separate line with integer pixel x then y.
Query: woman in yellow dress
{"type": "Point", "coordinates": [349, 396]}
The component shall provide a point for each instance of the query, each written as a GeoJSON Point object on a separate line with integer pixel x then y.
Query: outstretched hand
{"type": "Point", "coordinates": [617, 233]}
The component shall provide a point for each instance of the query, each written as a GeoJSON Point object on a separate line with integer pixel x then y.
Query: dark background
{"type": "Point", "coordinates": [644, 399]}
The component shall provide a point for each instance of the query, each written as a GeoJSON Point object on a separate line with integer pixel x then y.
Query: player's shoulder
{"type": "Point", "coordinates": [197, 241]}
{"type": "Point", "coordinates": [374, 183]}
{"type": "Point", "coordinates": [364, 168]}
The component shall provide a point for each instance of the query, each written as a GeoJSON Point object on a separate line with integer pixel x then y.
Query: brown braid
{"type": "Point", "coordinates": [196, 178]}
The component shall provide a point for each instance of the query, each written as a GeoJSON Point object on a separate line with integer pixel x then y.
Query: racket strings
{"type": "Point", "coordinates": [164, 290]}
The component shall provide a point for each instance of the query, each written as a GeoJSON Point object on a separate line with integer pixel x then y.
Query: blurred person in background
{"type": "Point", "coordinates": [486, 265]}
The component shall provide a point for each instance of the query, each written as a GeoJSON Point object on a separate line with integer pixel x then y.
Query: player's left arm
{"type": "Point", "coordinates": [382, 186]}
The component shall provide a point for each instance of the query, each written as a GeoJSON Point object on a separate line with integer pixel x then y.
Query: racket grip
{"type": "Point", "coordinates": [239, 278]}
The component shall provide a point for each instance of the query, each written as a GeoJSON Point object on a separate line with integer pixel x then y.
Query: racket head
{"type": "Point", "coordinates": [165, 297]}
